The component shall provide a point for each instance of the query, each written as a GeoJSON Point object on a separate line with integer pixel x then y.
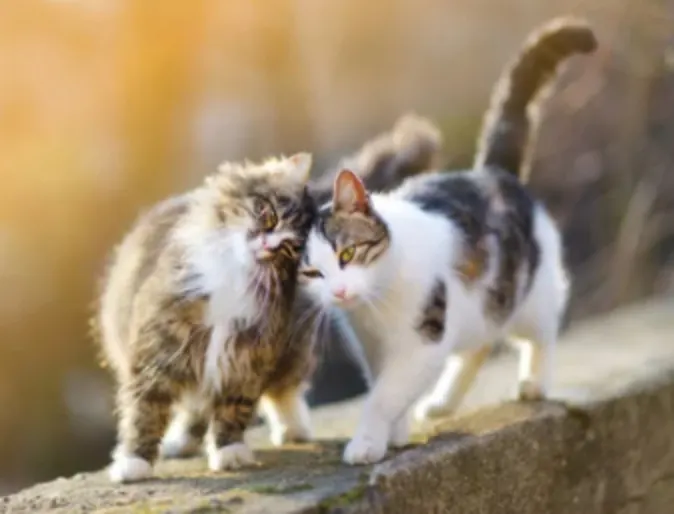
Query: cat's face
{"type": "Point", "coordinates": [346, 247]}
{"type": "Point", "coordinates": [260, 213]}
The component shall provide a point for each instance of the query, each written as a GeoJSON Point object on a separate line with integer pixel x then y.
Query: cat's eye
{"type": "Point", "coordinates": [312, 273]}
{"type": "Point", "coordinates": [347, 255]}
{"type": "Point", "coordinates": [268, 220]}
{"type": "Point", "coordinates": [266, 215]}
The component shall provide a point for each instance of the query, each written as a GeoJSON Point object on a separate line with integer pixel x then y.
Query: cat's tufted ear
{"type": "Point", "coordinates": [349, 193]}
{"type": "Point", "coordinates": [301, 166]}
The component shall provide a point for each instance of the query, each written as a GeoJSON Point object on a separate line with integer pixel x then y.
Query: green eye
{"type": "Point", "coordinates": [346, 255]}
{"type": "Point", "coordinates": [268, 220]}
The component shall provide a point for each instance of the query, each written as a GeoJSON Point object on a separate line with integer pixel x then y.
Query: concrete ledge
{"type": "Point", "coordinates": [607, 446]}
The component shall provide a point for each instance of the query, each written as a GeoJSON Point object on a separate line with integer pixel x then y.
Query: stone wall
{"type": "Point", "coordinates": [605, 445]}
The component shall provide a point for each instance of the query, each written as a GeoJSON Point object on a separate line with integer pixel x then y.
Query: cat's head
{"type": "Point", "coordinates": [258, 214]}
{"type": "Point", "coordinates": [346, 248]}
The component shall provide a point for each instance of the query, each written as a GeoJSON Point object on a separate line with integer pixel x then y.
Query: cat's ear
{"type": "Point", "coordinates": [301, 166]}
{"type": "Point", "coordinates": [349, 193]}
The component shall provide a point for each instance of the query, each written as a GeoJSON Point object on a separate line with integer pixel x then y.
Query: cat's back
{"type": "Point", "coordinates": [474, 200]}
{"type": "Point", "coordinates": [501, 249]}
{"type": "Point", "coordinates": [132, 263]}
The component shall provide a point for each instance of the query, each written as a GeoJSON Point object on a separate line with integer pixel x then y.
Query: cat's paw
{"type": "Point", "coordinates": [179, 446]}
{"type": "Point", "coordinates": [129, 468]}
{"type": "Point", "coordinates": [232, 456]}
{"type": "Point", "coordinates": [530, 391]}
{"type": "Point", "coordinates": [365, 450]}
{"type": "Point", "coordinates": [281, 435]}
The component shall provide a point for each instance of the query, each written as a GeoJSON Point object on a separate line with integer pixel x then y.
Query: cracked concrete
{"type": "Point", "coordinates": [605, 445]}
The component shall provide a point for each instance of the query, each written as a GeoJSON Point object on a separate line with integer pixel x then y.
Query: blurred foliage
{"type": "Point", "coordinates": [107, 106]}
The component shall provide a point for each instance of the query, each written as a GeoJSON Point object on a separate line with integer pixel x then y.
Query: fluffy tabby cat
{"type": "Point", "coordinates": [449, 263]}
{"type": "Point", "coordinates": [410, 147]}
{"type": "Point", "coordinates": [197, 310]}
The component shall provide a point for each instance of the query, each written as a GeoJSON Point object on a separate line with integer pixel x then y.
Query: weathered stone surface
{"type": "Point", "coordinates": [607, 446]}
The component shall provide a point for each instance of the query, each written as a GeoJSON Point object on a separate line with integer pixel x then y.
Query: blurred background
{"type": "Point", "coordinates": [107, 106]}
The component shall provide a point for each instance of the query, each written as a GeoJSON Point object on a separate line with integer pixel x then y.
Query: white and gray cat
{"type": "Point", "coordinates": [433, 273]}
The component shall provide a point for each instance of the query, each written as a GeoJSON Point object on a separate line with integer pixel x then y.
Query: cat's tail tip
{"type": "Point", "coordinates": [505, 138]}
{"type": "Point", "coordinates": [575, 33]}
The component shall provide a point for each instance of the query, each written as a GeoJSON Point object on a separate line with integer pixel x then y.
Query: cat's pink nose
{"type": "Point", "coordinates": [339, 293]}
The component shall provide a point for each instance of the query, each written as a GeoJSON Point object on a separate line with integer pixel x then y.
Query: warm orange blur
{"type": "Point", "coordinates": [109, 105]}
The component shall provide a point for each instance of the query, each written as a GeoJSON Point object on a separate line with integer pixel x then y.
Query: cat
{"type": "Point", "coordinates": [198, 312]}
{"type": "Point", "coordinates": [430, 275]}
{"type": "Point", "coordinates": [410, 147]}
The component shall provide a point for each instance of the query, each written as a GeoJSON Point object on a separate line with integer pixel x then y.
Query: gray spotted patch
{"type": "Point", "coordinates": [432, 321]}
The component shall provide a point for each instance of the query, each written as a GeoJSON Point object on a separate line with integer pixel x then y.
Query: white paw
{"type": "Point", "coordinates": [530, 391]}
{"type": "Point", "coordinates": [179, 447]}
{"type": "Point", "coordinates": [233, 456]}
{"type": "Point", "coordinates": [129, 468]}
{"type": "Point", "coordinates": [365, 450]}
{"type": "Point", "coordinates": [281, 435]}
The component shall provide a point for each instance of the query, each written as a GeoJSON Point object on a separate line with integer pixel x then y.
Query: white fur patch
{"type": "Point", "coordinates": [233, 456]}
{"type": "Point", "coordinates": [128, 468]}
{"type": "Point", "coordinates": [224, 266]}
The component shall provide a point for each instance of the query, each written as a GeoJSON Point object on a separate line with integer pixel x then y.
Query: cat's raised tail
{"type": "Point", "coordinates": [511, 121]}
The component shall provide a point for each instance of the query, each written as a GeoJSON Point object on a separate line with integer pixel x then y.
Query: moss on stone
{"type": "Point", "coordinates": [281, 488]}
{"type": "Point", "coordinates": [342, 500]}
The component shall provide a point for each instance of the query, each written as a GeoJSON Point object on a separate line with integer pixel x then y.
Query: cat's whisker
{"type": "Point", "coordinates": [375, 309]}
{"type": "Point", "coordinates": [324, 327]}
{"type": "Point", "coordinates": [311, 322]}
{"type": "Point", "coordinates": [308, 313]}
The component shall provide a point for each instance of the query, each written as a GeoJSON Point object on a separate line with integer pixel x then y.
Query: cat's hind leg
{"type": "Point", "coordinates": [287, 413]}
{"type": "Point", "coordinates": [538, 321]}
{"type": "Point", "coordinates": [186, 431]}
{"type": "Point", "coordinates": [449, 391]}
{"type": "Point", "coordinates": [536, 355]}
{"type": "Point", "coordinates": [537, 331]}
{"type": "Point", "coordinates": [231, 416]}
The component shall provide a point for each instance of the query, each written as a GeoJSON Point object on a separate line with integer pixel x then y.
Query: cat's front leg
{"type": "Point", "coordinates": [227, 449]}
{"type": "Point", "coordinates": [404, 377]}
{"type": "Point", "coordinates": [144, 405]}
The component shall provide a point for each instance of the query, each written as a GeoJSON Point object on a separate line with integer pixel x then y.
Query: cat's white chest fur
{"type": "Point", "coordinates": [230, 308]}
{"type": "Point", "coordinates": [223, 268]}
